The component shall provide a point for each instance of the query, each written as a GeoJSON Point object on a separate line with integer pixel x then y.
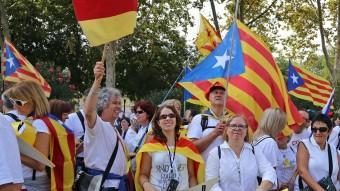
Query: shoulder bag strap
{"type": "Point", "coordinates": [81, 118]}
{"type": "Point", "coordinates": [141, 140]}
{"type": "Point", "coordinates": [110, 163]}
{"type": "Point", "coordinates": [330, 161]}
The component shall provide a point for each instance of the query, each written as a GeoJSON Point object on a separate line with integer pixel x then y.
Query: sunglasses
{"type": "Point", "coordinates": [17, 102]}
{"type": "Point", "coordinates": [320, 129]}
{"type": "Point", "coordinates": [140, 111]}
{"type": "Point", "coordinates": [234, 126]}
{"type": "Point", "coordinates": [165, 116]}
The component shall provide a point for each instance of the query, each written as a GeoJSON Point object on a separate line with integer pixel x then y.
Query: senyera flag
{"type": "Point", "coordinates": [104, 21]}
{"type": "Point", "coordinates": [308, 86]}
{"type": "Point", "coordinates": [17, 68]}
{"type": "Point", "coordinates": [259, 87]}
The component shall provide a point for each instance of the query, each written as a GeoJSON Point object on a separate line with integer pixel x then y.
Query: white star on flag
{"type": "Point", "coordinates": [11, 61]}
{"type": "Point", "coordinates": [222, 60]}
{"type": "Point", "coordinates": [294, 78]}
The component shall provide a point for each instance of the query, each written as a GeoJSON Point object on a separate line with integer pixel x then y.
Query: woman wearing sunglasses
{"type": "Point", "coordinates": [168, 161]}
{"type": "Point", "coordinates": [236, 164]}
{"type": "Point", "coordinates": [317, 161]}
{"type": "Point", "coordinates": [29, 99]}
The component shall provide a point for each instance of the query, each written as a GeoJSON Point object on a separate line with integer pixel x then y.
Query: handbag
{"type": "Point", "coordinates": [88, 182]}
{"type": "Point", "coordinates": [326, 182]}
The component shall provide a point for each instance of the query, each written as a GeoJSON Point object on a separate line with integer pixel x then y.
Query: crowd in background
{"type": "Point", "coordinates": [153, 148]}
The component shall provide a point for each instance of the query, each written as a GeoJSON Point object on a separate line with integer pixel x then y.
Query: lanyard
{"type": "Point", "coordinates": [172, 159]}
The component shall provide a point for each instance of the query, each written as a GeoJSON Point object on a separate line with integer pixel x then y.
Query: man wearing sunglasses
{"type": "Point", "coordinates": [206, 129]}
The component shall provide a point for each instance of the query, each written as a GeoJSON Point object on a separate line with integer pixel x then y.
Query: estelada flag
{"type": "Point", "coordinates": [308, 86]}
{"type": "Point", "coordinates": [104, 21]}
{"type": "Point", "coordinates": [183, 147]}
{"type": "Point", "coordinates": [17, 68]}
{"type": "Point", "coordinates": [261, 85]}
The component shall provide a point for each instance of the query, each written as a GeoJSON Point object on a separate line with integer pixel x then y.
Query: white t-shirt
{"type": "Point", "coordinates": [161, 174]}
{"type": "Point", "coordinates": [99, 143]}
{"type": "Point", "coordinates": [296, 138]}
{"type": "Point", "coordinates": [238, 174]}
{"type": "Point", "coordinates": [41, 127]}
{"type": "Point", "coordinates": [269, 148]}
{"type": "Point", "coordinates": [195, 132]}
{"type": "Point", "coordinates": [318, 165]}
{"type": "Point", "coordinates": [130, 138]}
{"type": "Point", "coordinates": [334, 136]}
{"type": "Point", "coordinates": [10, 164]}
{"type": "Point", "coordinates": [286, 168]}
{"type": "Point", "coordinates": [74, 124]}
{"type": "Point", "coordinates": [134, 142]}
{"type": "Point", "coordinates": [15, 112]}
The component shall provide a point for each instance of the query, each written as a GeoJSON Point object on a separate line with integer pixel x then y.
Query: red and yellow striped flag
{"type": "Point", "coordinates": [104, 21]}
{"type": "Point", "coordinates": [17, 68]}
{"type": "Point", "coordinates": [62, 154]}
{"type": "Point", "coordinates": [208, 38]}
{"type": "Point", "coordinates": [314, 89]}
{"type": "Point", "coordinates": [261, 85]}
{"type": "Point", "coordinates": [183, 146]}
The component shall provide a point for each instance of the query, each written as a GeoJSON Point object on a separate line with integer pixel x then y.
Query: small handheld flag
{"type": "Point", "coordinates": [327, 107]}
{"type": "Point", "coordinates": [106, 20]}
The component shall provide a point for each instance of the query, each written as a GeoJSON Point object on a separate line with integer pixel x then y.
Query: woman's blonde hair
{"type": "Point", "coordinates": [272, 122]}
{"type": "Point", "coordinates": [172, 102]}
{"type": "Point", "coordinates": [31, 91]}
{"type": "Point", "coordinates": [228, 121]}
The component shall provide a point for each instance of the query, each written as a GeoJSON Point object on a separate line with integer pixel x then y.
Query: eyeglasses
{"type": "Point", "coordinates": [171, 116]}
{"type": "Point", "coordinates": [320, 129]}
{"type": "Point", "coordinates": [234, 126]}
{"type": "Point", "coordinates": [17, 102]}
{"type": "Point", "coordinates": [140, 111]}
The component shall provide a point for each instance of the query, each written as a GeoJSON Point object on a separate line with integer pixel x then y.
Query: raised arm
{"type": "Point", "coordinates": [92, 98]}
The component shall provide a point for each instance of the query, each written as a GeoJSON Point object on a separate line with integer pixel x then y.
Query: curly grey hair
{"type": "Point", "coordinates": [104, 97]}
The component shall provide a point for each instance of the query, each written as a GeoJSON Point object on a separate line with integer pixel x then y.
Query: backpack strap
{"type": "Point", "coordinates": [13, 116]}
{"type": "Point", "coordinates": [204, 122]}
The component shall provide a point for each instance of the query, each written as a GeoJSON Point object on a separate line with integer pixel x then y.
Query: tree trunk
{"type": "Point", "coordinates": [323, 43]}
{"type": "Point", "coordinates": [111, 64]}
{"type": "Point", "coordinates": [336, 72]}
{"type": "Point", "coordinates": [4, 21]}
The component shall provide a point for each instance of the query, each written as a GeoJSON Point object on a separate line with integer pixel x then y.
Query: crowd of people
{"type": "Point", "coordinates": [155, 149]}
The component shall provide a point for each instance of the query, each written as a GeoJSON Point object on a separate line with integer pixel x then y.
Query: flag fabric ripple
{"type": "Point", "coordinates": [104, 21]}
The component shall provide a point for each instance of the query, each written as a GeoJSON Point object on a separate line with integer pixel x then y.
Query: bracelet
{"type": "Point", "coordinates": [144, 183]}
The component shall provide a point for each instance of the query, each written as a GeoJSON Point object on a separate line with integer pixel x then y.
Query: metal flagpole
{"type": "Point", "coordinates": [230, 58]}
{"type": "Point", "coordinates": [172, 86]}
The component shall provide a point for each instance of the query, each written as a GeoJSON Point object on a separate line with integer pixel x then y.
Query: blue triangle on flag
{"type": "Point", "coordinates": [294, 78]}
